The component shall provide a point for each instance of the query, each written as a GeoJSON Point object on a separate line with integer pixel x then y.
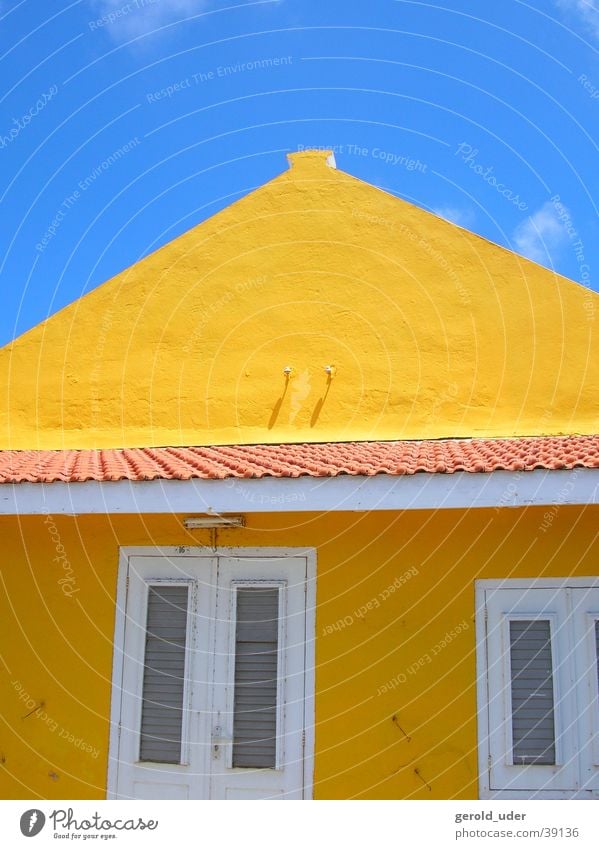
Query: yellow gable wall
{"type": "Point", "coordinates": [432, 331]}
{"type": "Point", "coordinates": [57, 649]}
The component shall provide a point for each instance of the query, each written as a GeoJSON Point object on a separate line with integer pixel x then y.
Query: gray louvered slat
{"type": "Point", "coordinates": [164, 670]}
{"type": "Point", "coordinates": [597, 646]}
{"type": "Point", "coordinates": [255, 700]}
{"type": "Point", "coordinates": [533, 729]}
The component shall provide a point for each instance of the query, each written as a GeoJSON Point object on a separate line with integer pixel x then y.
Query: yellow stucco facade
{"type": "Point", "coordinates": [410, 657]}
{"type": "Point", "coordinates": [429, 331]}
{"type": "Point", "coordinates": [432, 332]}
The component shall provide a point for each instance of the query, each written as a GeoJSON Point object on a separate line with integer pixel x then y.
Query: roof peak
{"type": "Point", "coordinates": [312, 156]}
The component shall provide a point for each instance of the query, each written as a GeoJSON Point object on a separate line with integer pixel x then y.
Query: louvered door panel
{"type": "Point", "coordinates": [533, 726]}
{"type": "Point", "coordinates": [255, 691]}
{"type": "Point", "coordinates": [164, 674]}
{"type": "Point", "coordinates": [215, 701]}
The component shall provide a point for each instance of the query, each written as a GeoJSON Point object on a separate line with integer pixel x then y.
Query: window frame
{"type": "Point", "coordinates": [486, 686]}
{"type": "Point", "coordinates": [590, 646]}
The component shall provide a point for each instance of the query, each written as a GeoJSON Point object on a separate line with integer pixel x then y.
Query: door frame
{"type": "Point", "coordinates": [125, 553]}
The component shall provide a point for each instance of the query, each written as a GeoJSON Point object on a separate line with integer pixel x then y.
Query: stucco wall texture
{"type": "Point", "coordinates": [395, 640]}
{"type": "Point", "coordinates": [431, 331]}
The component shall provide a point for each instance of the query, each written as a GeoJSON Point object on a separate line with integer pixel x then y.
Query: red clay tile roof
{"type": "Point", "coordinates": [292, 461]}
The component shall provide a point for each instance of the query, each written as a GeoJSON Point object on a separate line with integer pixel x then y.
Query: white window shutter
{"type": "Point", "coordinates": [531, 701]}
{"type": "Point", "coordinates": [531, 663]}
{"type": "Point", "coordinates": [164, 674]}
{"type": "Point", "coordinates": [255, 691]}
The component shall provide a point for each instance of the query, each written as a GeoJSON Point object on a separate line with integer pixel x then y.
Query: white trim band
{"type": "Point", "coordinates": [283, 495]}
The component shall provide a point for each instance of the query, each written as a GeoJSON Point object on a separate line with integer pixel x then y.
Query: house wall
{"type": "Point", "coordinates": [433, 332]}
{"type": "Point", "coordinates": [395, 678]}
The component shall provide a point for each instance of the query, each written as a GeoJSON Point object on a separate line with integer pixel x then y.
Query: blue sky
{"type": "Point", "coordinates": [125, 122]}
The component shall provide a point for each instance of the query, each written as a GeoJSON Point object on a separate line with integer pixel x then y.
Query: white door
{"type": "Point", "coordinates": [212, 679]}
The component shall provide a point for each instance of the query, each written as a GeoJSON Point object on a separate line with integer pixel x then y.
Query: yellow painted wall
{"type": "Point", "coordinates": [57, 648]}
{"type": "Point", "coordinates": [433, 332]}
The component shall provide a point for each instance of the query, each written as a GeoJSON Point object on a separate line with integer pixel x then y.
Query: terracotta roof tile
{"type": "Point", "coordinates": [442, 456]}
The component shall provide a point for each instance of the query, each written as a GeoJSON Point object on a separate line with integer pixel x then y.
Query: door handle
{"type": "Point", "coordinates": [218, 739]}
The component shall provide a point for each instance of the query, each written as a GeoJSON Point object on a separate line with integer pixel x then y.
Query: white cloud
{"type": "Point", "coordinates": [124, 19]}
{"type": "Point", "coordinates": [461, 217]}
{"type": "Point", "coordinates": [541, 236]}
{"type": "Point", "coordinates": [586, 10]}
